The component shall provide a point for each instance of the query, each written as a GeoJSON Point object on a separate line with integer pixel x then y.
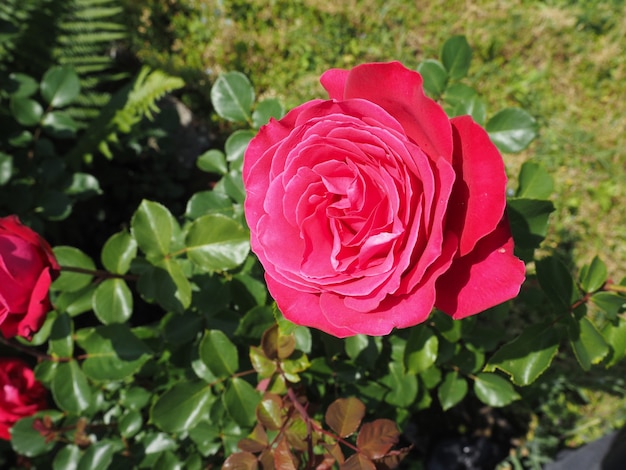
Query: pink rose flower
{"type": "Point", "coordinates": [368, 209]}
{"type": "Point", "coordinates": [20, 394]}
{"type": "Point", "coordinates": [27, 268]}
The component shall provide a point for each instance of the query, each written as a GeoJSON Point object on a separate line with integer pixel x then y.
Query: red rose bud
{"type": "Point", "coordinates": [27, 268]}
{"type": "Point", "coordinates": [21, 395]}
{"type": "Point", "coordinates": [368, 209]}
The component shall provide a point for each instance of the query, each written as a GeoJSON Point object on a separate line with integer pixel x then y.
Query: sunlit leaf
{"type": "Point", "coordinates": [344, 415]}
{"type": "Point", "coordinates": [494, 390]}
{"type": "Point", "coordinates": [375, 439]}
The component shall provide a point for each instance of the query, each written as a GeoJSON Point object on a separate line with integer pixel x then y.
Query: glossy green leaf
{"type": "Point", "coordinates": [240, 401]}
{"type": "Point", "coordinates": [512, 129]}
{"type": "Point", "coordinates": [182, 407]}
{"type": "Point", "coordinates": [534, 182]}
{"type": "Point", "coordinates": [588, 344]}
{"type": "Point", "coordinates": [27, 441]}
{"type": "Point", "coordinates": [269, 411]}
{"type": "Point", "coordinates": [61, 343]}
{"type": "Point", "coordinates": [232, 96]}
{"type": "Point", "coordinates": [402, 386]}
{"type": "Point", "coordinates": [556, 282]}
{"type": "Point", "coordinates": [118, 252]}
{"type": "Point", "coordinates": [113, 352]}
{"type": "Point", "coordinates": [54, 205]}
{"type": "Point", "coordinates": [99, 455]}
{"type": "Point", "coordinates": [83, 185]}
{"type": "Point", "coordinates": [212, 161]}
{"type": "Point", "coordinates": [232, 185]}
{"type": "Point", "coordinates": [70, 388]}
{"type": "Point", "coordinates": [529, 355]}
{"type": "Point", "coordinates": [456, 56]}
{"type": "Point", "coordinates": [462, 100]}
{"type": "Point", "coordinates": [494, 390]}
{"type": "Point", "coordinates": [152, 228]}
{"type": "Point", "coordinates": [266, 109]}
{"type": "Point", "coordinates": [452, 390]}
{"type": "Point", "coordinates": [167, 285]}
{"type": "Point", "coordinates": [216, 243]}
{"type": "Point", "coordinates": [594, 275]}
{"type": "Point", "coordinates": [182, 328]}
{"type": "Point", "coordinates": [218, 353]}
{"type": "Point", "coordinates": [208, 202]}
{"type": "Point", "coordinates": [113, 301]}
{"type": "Point", "coordinates": [130, 423]}
{"type": "Point", "coordinates": [60, 125]}
{"type": "Point", "coordinates": [26, 111]}
{"type": "Point", "coordinates": [60, 86]}
{"type": "Point", "coordinates": [206, 437]}
{"type": "Point", "coordinates": [435, 77]}
{"type": "Point", "coordinates": [67, 458]}
{"type": "Point", "coordinates": [236, 145]}
{"type": "Point", "coordinates": [421, 349]}
{"type": "Point", "coordinates": [77, 302]}
{"type": "Point", "coordinates": [528, 219]}
{"type": "Point", "coordinates": [6, 168]}
{"type": "Point", "coordinates": [70, 281]}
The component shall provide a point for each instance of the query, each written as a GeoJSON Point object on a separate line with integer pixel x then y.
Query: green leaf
{"type": "Point", "coordinates": [130, 423]}
{"type": "Point", "coordinates": [269, 411]}
{"type": "Point", "coordinates": [70, 389]}
{"type": "Point", "coordinates": [512, 129]}
{"type": "Point", "coordinates": [83, 185]}
{"type": "Point", "coordinates": [152, 227]}
{"type": "Point", "coordinates": [614, 334]}
{"type": "Point", "coordinates": [75, 303]}
{"type": "Point", "coordinates": [456, 56]}
{"type": "Point", "coordinates": [494, 390]}
{"type": "Point", "coordinates": [528, 219]}
{"type": "Point", "coordinates": [218, 353]}
{"type": "Point", "coordinates": [61, 342]}
{"type": "Point", "coordinates": [26, 440]}
{"type": "Point", "coordinates": [594, 275]}
{"type": "Point", "coordinates": [527, 356]}
{"type": "Point", "coordinates": [236, 145]}
{"type": "Point", "coordinates": [609, 302]}
{"type": "Point", "coordinates": [6, 168]}
{"type": "Point", "coordinates": [402, 386]}
{"type": "Point", "coordinates": [556, 282]}
{"type": "Point", "coordinates": [59, 125]}
{"type": "Point", "coordinates": [182, 407]}
{"type": "Point", "coordinates": [587, 342]}
{"type": "Point", "coordinates": [54, 205]}
{"type": "Point", "coordinates": [182, 328]}
{"type": "Point", "coordinates": [166, 284]}
{"type": "Point", "coordinates": [534, 182]}
{"type": "Point", "coordinates": [463, 100]}
{"type": "Point", "coordinates": [206, 438]}
{"type": "Point", "coordinates": [99, 455]}
{"type": "Point", "coordinates": [67, 458]}
{"type": "Point", "coordinates": [118, 252]}
{"type": "Point", "coordinates": [217, 243]}
{"type": "Point", "coordinates": [421, 349]}
{"type": "Point", "coordinates": [113, 301]}
{"type": "Point", "coordinates": [60, 86]}
{"type": "Point", "coordinates": [113, 352]}
{"type": "Point", "coordinates": [209, 202]}
{"type": "Point", "coordinates": [240, 401]}
{"type": "Point", "coordinates": [435, 77]}
{"type": "Point", "coordinates": [70, 281]}
{"type": "Point", "coordinates": [266, 109]}
{"type": "Point", "coordinates": [26, 111]}
{"type": "Point", "coordinates": [22, 86]}
{"type": "Point", "coordinates": [344, 415]}
{"type": "Point", "coordinates": [212, 161]}
{"type": "Point", "coordinates": [363, 349]}
{"type": "Point", "coordinates": [232, 96]}
{"type": "Point", "coordinates": [452, 390]}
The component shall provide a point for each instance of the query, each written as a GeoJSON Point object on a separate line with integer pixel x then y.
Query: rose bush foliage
{"type": "Point", "coordinates": [21, 395]}
{"type": "Point", "coordinates": [368, 209]}
{"type": "Point", "coordinates": [27, 268]}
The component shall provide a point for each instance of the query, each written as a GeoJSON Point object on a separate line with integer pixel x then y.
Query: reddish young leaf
{"type": "Point", "coordinates": [344, 415]}
{"type": "Point", "coordinates": [392, 459]}
{"type": "Point", "coordinates": [357, 462]}
{"type": "Point", "coordinates": [334, 450]}
{"type": "Point", "coordinates": [261, 363]}
{"type": "Point", "coordinates": [276, 345]}
{"type": "Point", "coordinates": [323, 462]}
{"type": "Point", "coordinates": [269, 411]}
{"type": "Point", "coordinates": [375, 439]}
{"type": "Point", "coordinates": [283, 458]}
{"type": "Point", "coordinates": [241, 461]}
{"type": "Point", "coordinates": [256, 440]}
{"type": "Point", "coordinates": [297, 434]}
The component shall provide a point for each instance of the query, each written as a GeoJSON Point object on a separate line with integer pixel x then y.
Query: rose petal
{"type": "Point", "coordinates": [486, 277]}
{"type": "Point", "coordinates": [479, 196]}
{"type": "Point", "coordinates": [399, 91]}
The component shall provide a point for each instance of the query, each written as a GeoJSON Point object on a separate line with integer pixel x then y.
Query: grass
{"type": "Point", "coordinates": [561, 60]}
